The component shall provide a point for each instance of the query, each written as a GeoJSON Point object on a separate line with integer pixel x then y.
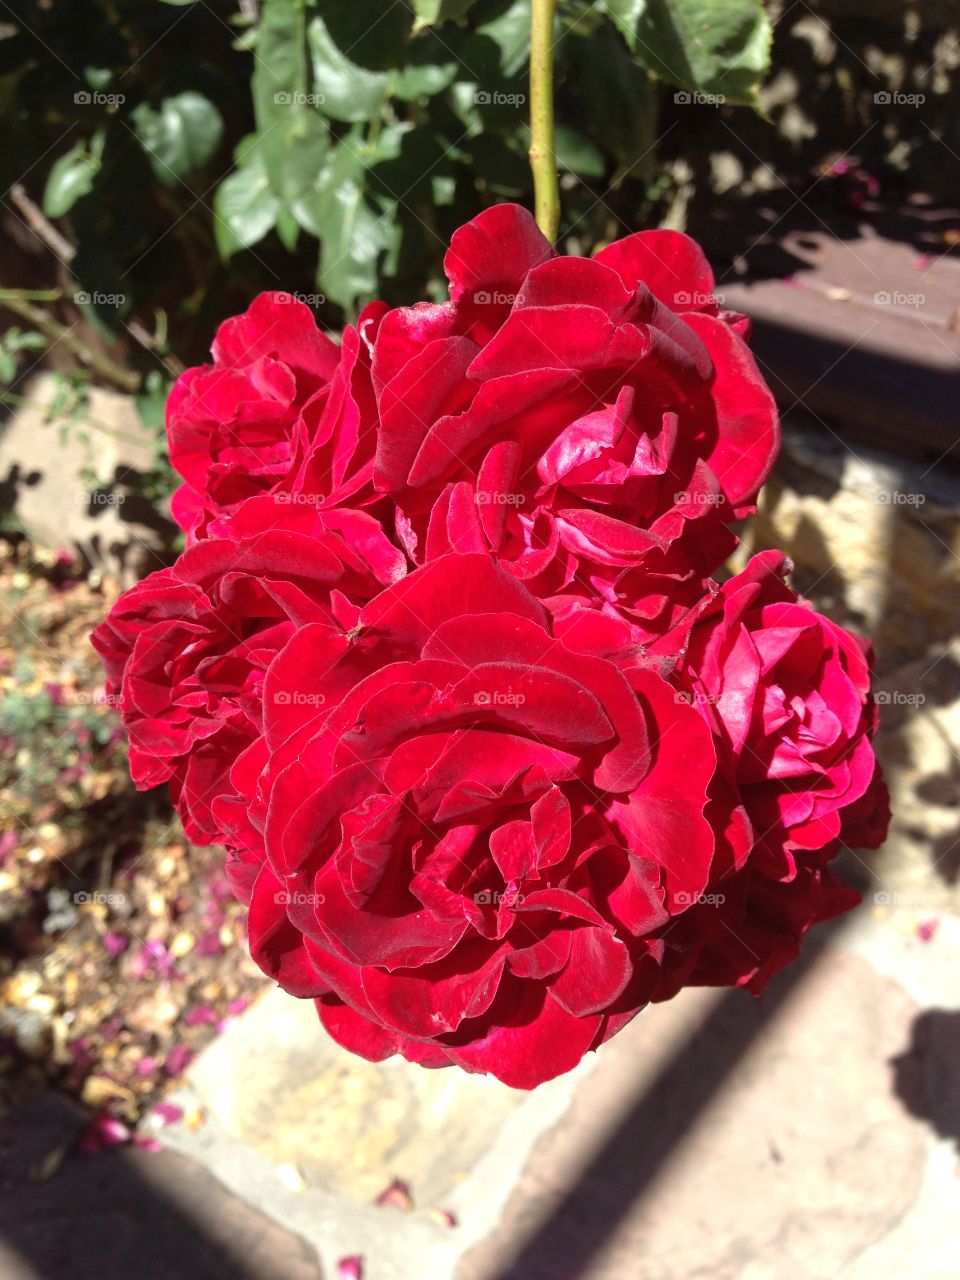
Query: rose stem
{"type": "Point", "coordinates": [543, 161]}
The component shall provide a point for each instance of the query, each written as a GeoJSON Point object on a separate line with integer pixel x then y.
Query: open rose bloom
{"type": "Point", "coordinates": [495, 758]}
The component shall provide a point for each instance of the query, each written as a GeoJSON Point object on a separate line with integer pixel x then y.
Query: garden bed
{"type": "Point", "coordinates": [122, 948]}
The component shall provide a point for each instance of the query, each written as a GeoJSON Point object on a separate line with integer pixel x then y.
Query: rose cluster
{"type": "Point", "coordinates": [495, 759]}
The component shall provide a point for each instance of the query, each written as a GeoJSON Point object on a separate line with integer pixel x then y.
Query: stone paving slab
{"type": "Point", "coordinates": [127, 1213]}
{"type": "Point", "coordinates": [864, 330]}
{"type": "Point", "coordinates": [317, 1164]}
{"type": "Point", "coordinates": [809, 1135]}
{"type": "Point", "coordinates": [813, 1134]}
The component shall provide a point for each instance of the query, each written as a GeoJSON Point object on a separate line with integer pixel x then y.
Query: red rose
{"type": "Point", "coordinates": [185, 650]}
{"type": "Point", "coordinates": [482, 813]}
{"type": "Point", "coordinates": [596, 420]}
{"type": "Point", "coordinates": [745, 929]}
{"type": "Point", "coordinates": [281, 407]}
{"type": "Point", "coordinates": [787, 694]}
{"type": "Point", "coordinates": [473, 827]}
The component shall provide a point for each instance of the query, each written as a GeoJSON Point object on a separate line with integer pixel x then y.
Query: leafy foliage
{"type": "Point", "coordinates": [195, 153]}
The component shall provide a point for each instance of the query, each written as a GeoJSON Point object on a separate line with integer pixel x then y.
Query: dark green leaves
{"type": "Point", "coordinates": [180, 137]}
{"type": "Point", "coordinates": [245, 207]}
{"type": "Point", "coordinates": [429, 12]}
{"type": "Point", "coordinates": [342, 89]}
{"type": "Point", "coordinates": [362, 133]}
{"type": "Point", "coordinates": [720, 48]}
{"type": "Point", "coordinates": [70, 178]}
{"type": "Point", "coordinates": [353, 232]}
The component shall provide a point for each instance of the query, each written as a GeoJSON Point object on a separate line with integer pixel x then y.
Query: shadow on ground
{"type": "Point", "coordinates": [126, 1212]}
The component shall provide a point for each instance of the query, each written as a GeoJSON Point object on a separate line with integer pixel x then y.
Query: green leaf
{"type": "Point", "coordinates": [354, 232]}
{"type": "Point", "coordinates": [294, 137]}
{"type": "Point", "coordinates": [70, 178]}
{"type": "Point", "coordinates": [511, 33]}
{"type": "Point", "coordinates": [577, 154]}
{"type": "Point", "coordinates": [181, 136]}
{"type": "Point", "coordinates": [244, 207]}
{"type": "Point", "coordinates": [504, 169]}
{"type": "Point", "coordinates": [151, 400]}
{"type": "Point", "coordinates": [430, 12]}
{"type": "Point", "coordinates": [17, 339]}
{"type": "Point", "coordinates": [619, 102]}
{"type": "Point", "coordinates": [288, 229]}
{"type": "Point", "coordinates": [97, 77]}
{"type": "Point", "coordinates": [373, 33]}
{"type": "Point", "coordinates": [626, 15]}
{"type": "Point", "coordinates": [720, 48]}
{"type": "Point", "coordinates": [293, 153]}
{"type": "Point", "coordinates": [280, 62]}
{"type": "Point", "coordinates": [431, 67]}
{"type": "Point", "coordinates": [342, 89]}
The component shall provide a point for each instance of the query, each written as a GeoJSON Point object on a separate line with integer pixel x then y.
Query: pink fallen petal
{"type": "Point", "coordinates": [926, 929]}
{"type": "Point", "coordinates": [350, 1268]}
{"type": "Point", "coordinates": [178, 1059]}
{"type": "Point", "coordinates": [201, 1016]}
{"type": "Point", "coordinates": [219, 886]}
{"type": "Point", "coordinates": [397, 1195]}
{"type": "Point", "coordinates": [146, 1144]}
{"type": "Point", "coordinates": [166, 1113]}
{"type": "Point", "coordinates": [102, 1132]}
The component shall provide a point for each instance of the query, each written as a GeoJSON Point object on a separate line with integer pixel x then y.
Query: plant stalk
{"type": "Point", "coordinates": [543, 160]}
{"type": "Point", "coordinates": [19, 302]}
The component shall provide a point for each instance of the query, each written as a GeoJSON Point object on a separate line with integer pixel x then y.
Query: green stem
{"type": "Point", "coordinates": [543, 161]}
{"type": "Point", "coordinates": [18, 301]}
{"type": "Point", "coordinates": [10, 397]}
